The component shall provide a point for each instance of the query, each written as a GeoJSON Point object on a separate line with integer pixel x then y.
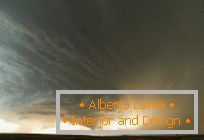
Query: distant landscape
{"type": "Point", "coordinates": [63, 137]}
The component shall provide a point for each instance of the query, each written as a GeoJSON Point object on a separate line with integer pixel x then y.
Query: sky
{"type": "Point", "coordinates": [64, 44]}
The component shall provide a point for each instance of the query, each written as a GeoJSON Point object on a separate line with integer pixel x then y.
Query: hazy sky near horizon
{"type": "Point", "coordinates": [75, 44]}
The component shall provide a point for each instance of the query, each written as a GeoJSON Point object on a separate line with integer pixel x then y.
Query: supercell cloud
{"type": "Point", "coordinates": [58, 44]}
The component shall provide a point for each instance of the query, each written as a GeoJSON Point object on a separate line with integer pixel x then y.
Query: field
{"type": "Point", "coordinates": [65, 137]}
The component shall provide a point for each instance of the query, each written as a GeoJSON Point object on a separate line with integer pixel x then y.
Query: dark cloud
{"type": "Point", "coordinates": [62, 44]}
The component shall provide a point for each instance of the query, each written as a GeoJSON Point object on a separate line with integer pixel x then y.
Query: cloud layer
{"type": "Point", "coordinates": [51, 45]}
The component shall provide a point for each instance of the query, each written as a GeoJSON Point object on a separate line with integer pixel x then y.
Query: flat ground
{"type": "Point", "coordinates": [65, 137]}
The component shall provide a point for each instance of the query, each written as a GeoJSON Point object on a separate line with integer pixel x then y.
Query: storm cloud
{"type": "Point", "coordinates": [62, 44]}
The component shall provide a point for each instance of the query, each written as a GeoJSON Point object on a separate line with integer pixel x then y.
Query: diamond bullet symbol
{"type": "Point", "coordinates": [188, 121]}
{"type": "Point", "coordinates": [81, 104]}
{"type": "Point", "coordinates": [172, 105]}
{"type": "Point", "coordinates": [64, 120]}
